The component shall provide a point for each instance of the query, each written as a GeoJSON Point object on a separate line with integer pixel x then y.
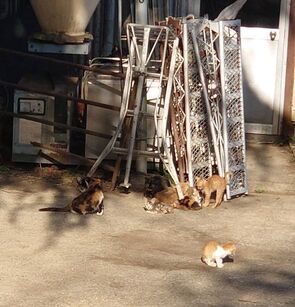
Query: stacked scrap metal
{"type": "Point", "coordinates": [198, 111]}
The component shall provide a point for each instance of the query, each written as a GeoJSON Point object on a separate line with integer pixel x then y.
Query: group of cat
{"type": "Point", "coordinates": [159, 197]}
{"type": "Point", "coordinates": [90, 200]}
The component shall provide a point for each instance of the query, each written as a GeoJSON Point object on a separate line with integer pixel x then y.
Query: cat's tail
{"type": "Point", "coordinates": [55, 209]}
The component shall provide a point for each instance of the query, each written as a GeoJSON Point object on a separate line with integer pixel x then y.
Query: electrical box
{"type": "Point", "coordinates": [31, 106]}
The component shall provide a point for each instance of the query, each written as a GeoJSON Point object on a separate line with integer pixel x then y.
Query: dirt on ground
{"type": "Point", "coordinates": [128, 257]}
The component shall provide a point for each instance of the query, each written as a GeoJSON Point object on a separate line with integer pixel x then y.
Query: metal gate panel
{"type": "Point", "coordinates": [198, 145]}
{"type": "Point", "coordinates": [233, 108]}
{"type": "Point", "coordinates": [205, 38]}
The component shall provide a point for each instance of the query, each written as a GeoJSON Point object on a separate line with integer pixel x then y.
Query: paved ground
{"type": "Point", "coordinates": [130, 258]}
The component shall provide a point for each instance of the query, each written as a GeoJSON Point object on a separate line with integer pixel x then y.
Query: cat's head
{"type": "Point", "coordinates": [154, 184]}
{"type": "Point", "coordinates": [193, 199]}
{"type": "Point", "coordinates": [200, 183]}
{"type": "Point", "coordinates": [230, 248]}
{"type": "Point", "coordinates": [83, 183]}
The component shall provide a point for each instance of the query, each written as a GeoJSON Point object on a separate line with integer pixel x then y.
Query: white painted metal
{"type": "Point", "coordinates": [162, 133]}
{"type": "Point", "coordinates": [148, 46]}
{"type": "Point", "coordinates": [264, 57]}
{"type": "Point", "coordinates": [200, 36]}
{"type": "Point", "coordinates": [231, 11]}
{"type": "Point", "coordinates": [123, 111]}
{"type": "Point", "coordinates": [106, 89]}
{"type": "Point", "coordinates": [197, 128]}
{"type": "Point", "coordinates": [187, 106]}
{"type": "Point", "coordinates": [259, 57]}
{"type": "Point", "coordinates": [233, 106]}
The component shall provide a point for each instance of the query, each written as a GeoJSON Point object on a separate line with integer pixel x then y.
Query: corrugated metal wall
{"type": "Point", "coordinates": [105, 27]}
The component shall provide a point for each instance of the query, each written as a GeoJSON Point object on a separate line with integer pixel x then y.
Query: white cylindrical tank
{"type": "Point", "coordinates": [70, 17]}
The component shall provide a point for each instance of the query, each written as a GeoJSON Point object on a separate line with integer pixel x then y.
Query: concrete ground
{"type": "Point", "coordinates": [128, 257]}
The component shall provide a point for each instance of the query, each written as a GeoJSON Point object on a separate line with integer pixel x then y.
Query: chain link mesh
{"type": "Point", "coordinates": [235, 129]}
{"type": "Point", "coordinates": [200, 145]}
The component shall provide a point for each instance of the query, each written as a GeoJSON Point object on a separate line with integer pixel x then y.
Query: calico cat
{"type": "Point", "coordinates": [212, 184]}
{"type": "Point", "coordinates": [152, 206]}
{"type": "Point", "coordinates": [89, 201]}
{"type": "Point", "coordinates": [84, 182]}
{"type": "Point", "coordinates": [168, 196]}
{"type": "Point", "coordinates": [213, 253]}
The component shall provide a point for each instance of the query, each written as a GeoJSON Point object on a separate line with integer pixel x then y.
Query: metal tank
{"type": "Point", "coordinates": [64, 16]}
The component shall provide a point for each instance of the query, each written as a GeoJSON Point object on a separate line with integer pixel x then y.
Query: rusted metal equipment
{"type": "Point", "coordinates": [198, 118]}
{"type": "Point", "coordinates": [148, 61]}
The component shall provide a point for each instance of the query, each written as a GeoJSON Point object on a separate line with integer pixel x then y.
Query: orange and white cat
{"type": "Point", "coordinates": [212, 184]}
{"type": "Point", "coordinates": [213, 253]}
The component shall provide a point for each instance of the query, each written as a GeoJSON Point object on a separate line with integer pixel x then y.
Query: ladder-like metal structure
{"type": "Point", "coordinates": [217, 57]}
{"type": "Point", "coordinates": [152, 55]}
{"type": "Point", "coordinates": [233, 108]}
{"type": "Point", "coordinates": [197, 126]}
{"type": "Point", "coordinates": [198, 110]}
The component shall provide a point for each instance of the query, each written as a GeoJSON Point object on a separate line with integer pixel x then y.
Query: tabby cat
{"type": "Point", "coordinates": [169, 196]}
{"type": "Point", "coordinates": [212, 184]}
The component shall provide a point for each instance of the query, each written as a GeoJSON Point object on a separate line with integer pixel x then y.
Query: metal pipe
{"type": "Point", "coordinates": [60, 62]}
{"type": "Point", "coordinates": [187, 107]}
{"type": "Point", "coordinates": [123, 112]}
{"type": "Point", "coordinates": [141, 12]}
{"type": "Point", "coordinates": [222, 83]}
{"type": "Point", "coordinates": [138, 106]}
{"type": "Point", "coordinates": [59, 125]}
{"type": "Point", "coordinates": [75, 99]}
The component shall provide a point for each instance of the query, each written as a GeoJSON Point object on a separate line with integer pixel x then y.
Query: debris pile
{"type": "Point", "coordinates": [183, 97]}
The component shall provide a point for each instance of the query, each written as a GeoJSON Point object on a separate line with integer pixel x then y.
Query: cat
{"type": "Point", "coordinates": [169, 196]}
{"type": "Point", "coordinates": [212, 184]}
{"type": "Point", "coordinates": [84, 182]}
{"type": "Point", "coordinates": [152, 206]}
{"type": "Point", "coordinates": [87, 202]}
{"type": "Point", "coordinates": [213, 253]}
{"type": "Point", "coordinates": [154, 183]}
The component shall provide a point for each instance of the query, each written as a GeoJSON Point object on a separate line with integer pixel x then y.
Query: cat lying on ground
{"type": "Point", "coordinates": [89, 201]}
{"type": "Point", "coordinates": [153, 207]}
{"type": "Point", "coordinates": [212, 184]}
{"type": "Point", "coordinates": [213, 253]}
{"type": "Point", "coordinates": [169, 197]}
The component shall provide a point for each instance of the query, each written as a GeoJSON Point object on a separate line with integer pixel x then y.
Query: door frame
{"type": "Point", "coordinates": [280, 80]}
{"type": "Point", "coordinates": [281, 67]}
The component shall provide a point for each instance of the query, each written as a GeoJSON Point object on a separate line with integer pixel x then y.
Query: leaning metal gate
{"type": "Point", "coordinates": [213, 72]}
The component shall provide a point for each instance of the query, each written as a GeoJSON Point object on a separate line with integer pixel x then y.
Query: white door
{"type": "Point", "coordinates": [264, 54]}
{"type": "Point", "coordinates": [264, 35]}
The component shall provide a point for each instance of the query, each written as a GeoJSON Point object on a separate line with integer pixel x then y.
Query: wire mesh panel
{"type": "Point", "coordinates": [205, 38]}
{"type": "Point", "coordinates": [233, 112]}
{"type": "Point", "coordinates": [199, 152]}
